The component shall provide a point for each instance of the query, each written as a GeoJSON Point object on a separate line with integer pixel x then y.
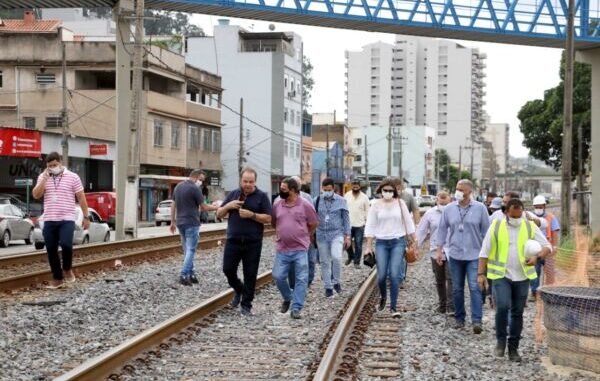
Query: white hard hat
{"type": "Point", "coordinates": [539, 200]}
{"type": "Point", "coordinates": [532, 248]}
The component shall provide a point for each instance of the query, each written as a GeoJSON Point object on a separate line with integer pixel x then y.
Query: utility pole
{"type": "Point", "coordinates": [327, 151]}
{"type": "Point", "coordinates": [400, 172]}
{"type": "Point", "coordinates": [241, 153]}
{"type": "Point", "coordinates": [425, 170]}
{"type": "Point", "coordinates": [459, 161]}
{"type": "Point", "coordinates": [64, 112]}
{"type": "Point", "coordinates": [472, 157]}
{"type": "Point", "coordinates": [567, 141]}
{"type": "Point", "coordinates": [580, 170]}
{"type": "Point", "coordinates": [389, 136]}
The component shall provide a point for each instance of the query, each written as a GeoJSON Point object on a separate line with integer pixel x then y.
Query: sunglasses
{"type": "Point", "coordinates": [387, 190]}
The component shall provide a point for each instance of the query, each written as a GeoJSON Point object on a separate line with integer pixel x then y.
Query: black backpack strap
{"type": "Point", "coordinates": [317, 204]}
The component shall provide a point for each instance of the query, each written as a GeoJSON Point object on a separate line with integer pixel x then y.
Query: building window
{"type": "Point", "coordinates": [285, 114]}
{"type": "Point", "coordinates": [358, 142]}
{"type": "Point", "coordinates": [292, 116]}
{"type": "Point", "coordinates": [285, 148]}
{"type": "Point", "coordinates": [297, 150]}
{"type": "Point", "coordinates": [206, 140]}
{"type": "Point", "coordinates": [158, 133]}
{"type": "Point", "coordinates": [285, 82]}
{"type": "Point", "coordinates": [29, 122]}
{"type": "Point", "coordinates": [175, 133]}
{"type": "Point", "coordinates": [193, 137]}
{"type": "Point", "coordinates": [358, 158]}
{"type": "Point", "coordinates": [216, 140]}
{"type": "Point", "coordinates": [53, 122]}
{"type": "Point", "coordinates": [292, 84]}
{"type": "Point", "coordinates": [1, 79]}
{"type": "Point", "coordinates": [45, 78]}
{"type": "Point", "coordinates": [298, 119]}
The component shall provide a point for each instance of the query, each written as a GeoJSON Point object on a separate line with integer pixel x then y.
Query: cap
{"type": "Point", "coordinates": [356, 181]}
{"type": "Point", "coordinates": [539, 200]}
{"type": "Point", "coordinates": [496, 203]}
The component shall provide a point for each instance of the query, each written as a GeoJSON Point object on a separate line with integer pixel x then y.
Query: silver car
{"type": "Point", "coordinates": [163, 212]}
{"type": "Point", "coordinates": [98, 231]}
{"type": "Point", "coordinates": [14, 225]}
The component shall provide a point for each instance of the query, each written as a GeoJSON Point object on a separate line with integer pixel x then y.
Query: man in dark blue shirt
{"type": "Point", "coordinates": [249, 209]}
{"type": "Point", "coordinates": [185, 214]}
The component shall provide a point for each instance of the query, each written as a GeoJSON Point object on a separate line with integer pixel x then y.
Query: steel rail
{"type": "Point", "coordinates": [332, 357]}
{"type": "Point", "coordinates": [104, 365]}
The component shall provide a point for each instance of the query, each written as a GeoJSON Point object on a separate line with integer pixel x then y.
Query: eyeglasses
{"type": "Point", "coordinates": [387, 190]}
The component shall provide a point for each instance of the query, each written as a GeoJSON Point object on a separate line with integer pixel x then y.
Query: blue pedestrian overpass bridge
{"type": "Point", "coordinates": [522, 22]}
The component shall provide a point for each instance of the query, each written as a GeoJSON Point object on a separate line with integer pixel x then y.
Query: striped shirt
{"type": "Point", "coordinates": [59, 196]}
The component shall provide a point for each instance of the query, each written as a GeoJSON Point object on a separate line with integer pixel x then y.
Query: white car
{"type": "Point", "coordinates": [163, 213]}
{"type": "Point", "coordinates": [14, 225]}
{"type": "Point", "coordinates": [99, 231]}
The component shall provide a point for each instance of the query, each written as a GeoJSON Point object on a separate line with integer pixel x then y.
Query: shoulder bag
{"type": "Point", "coordinates": [411, 254]}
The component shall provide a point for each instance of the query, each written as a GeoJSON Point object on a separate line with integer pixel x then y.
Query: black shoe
{"type": "Point", "coordinates": [245, 311]}
{"type": "Point", "coordinates": [458, 324]}
{"type": "Point", "coordinates": [295, 314]}
{"type": "Point", "coordinates": [185, 280]}
{"type": "Point", "coordinates": [381, 306]}
{"type": "Point", "coordinates": [513, 354]}
{"type": "Point", "coordinates": [329, 293]}
{"type": "Point", "coordinates": [285, 306]}
{"type": "Point", "coordinates": [337, 288]}
{"type": "Point", "coordinates": [477, 328]}
{"type": "Point", "coordinates": [441, 309]}
{"type": "Point", "coordinates": [357, 265]}
{"type": "Point", "coordinates": [348, 261]}
{"type": "Point", "coordinates": [237, 298]}
{"type": "Point", "coordinates": [193, 278]}
{"type": "Point", "coordinates": [500, 348]}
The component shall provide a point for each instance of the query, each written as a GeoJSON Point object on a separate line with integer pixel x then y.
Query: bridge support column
{"type": "Point", "coordinates": [592, 57]}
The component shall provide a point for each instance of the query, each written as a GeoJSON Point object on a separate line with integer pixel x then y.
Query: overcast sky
{"type": "Point", "coordinates": [515, 74]}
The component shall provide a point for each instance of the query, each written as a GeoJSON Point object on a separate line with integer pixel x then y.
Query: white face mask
{"type": "Point", "coordinates": [459, 196]}
{"type": "Point", "coordinates": [538, 212]}
{"type": "Point", "coordinates": [56, 170]}
{"type": "Point", "coordinates": [441, 207]}
{"type": "Point", "coordinates": [514, 221]}
{"type": "Point", "coordinates": [387, 196]}
{"type": "Point", "coordinates": [199, 183]}
{"type": "Point", "coordinates": [327, 194]}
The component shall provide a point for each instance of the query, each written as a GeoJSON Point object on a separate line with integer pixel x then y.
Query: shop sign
{"type": "Point", "coordinates": [20, 142]}
{"type": "Point", "coordinates": [98, 149]}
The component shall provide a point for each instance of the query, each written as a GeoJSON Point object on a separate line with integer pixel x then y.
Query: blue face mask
{"type": "Point", "coordinates": [327, 194]}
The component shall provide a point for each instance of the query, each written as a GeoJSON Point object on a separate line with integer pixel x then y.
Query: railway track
{"type": "Point", "coordinates": [31, 269]}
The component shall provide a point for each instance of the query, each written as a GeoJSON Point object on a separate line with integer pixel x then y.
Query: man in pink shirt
{"type": "Point", "coordinates": [59, 187]}
{"type": "Point", "coordinates": [294, 220]}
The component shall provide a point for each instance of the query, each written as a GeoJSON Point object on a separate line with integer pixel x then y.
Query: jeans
{"type": "Point", "coordinates": [298, 260]}
{"type": "Point", "coordinates": [548, 267]}
{"type": "Point", "coordinates": [248, 252]}
{"type": "Point", "coordinates": [389, 255]}
{"type": "Point", "coordinates": [443, 283]}
{"type": "Point", "coordinates": [511, 298]}
{"type": "Point", "coordinates": [459, 271]}
{"type": "Point", "coordinates": [330, 254]}
{"type": "Point", "coordinates": [189, 242]}
{"type": "Point", "coordinates": [313, 259]}
{"type": "Point", "coordinates": [292, 271]}
{"type": "Point", "coordinates": [59, 233]}
{"type": "Point", "coordinates": [357, 235]}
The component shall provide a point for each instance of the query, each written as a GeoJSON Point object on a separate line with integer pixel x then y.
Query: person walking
{"type": "Point", "coordinates": [294, 220]}
{"type": "Point", "coordinates": [501, 214]}
{"type": "Point", "coordinates": [390, 223]}
{"type": "Point", "coordinates": [408, 199]}
{"type": "Point", "coordinates": [358, 206]}
{"type": "Point", "coordinates": [551, 228]}
{"type": "Point", "coordinates": [503, 259]}
{"type": "Point", "coordinates": [59, 188]}
{"type": "Point", "coordinates": [333, 235]}
{"type": "Point", "coordinates": [249, 209]}
{"type": "Point", "coordinates": [462, 227]}
{"type": "Point", "coordinates": [188, 203]}
{"type": "Point", "coordinates": [428, 228]}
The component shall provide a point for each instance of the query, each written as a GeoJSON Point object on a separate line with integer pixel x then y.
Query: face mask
{"type": "Point", "coordinates": [199, 183]}
{"type": "Point", "coordinates": [538, 212]}
{"type": "Point", "coordinates": [327, 194]}
{"type": "Point", "coordinates": [56, 170]}
{"type": "Point", "coordinates": [284, 195]}
{"type": "Point", "coordinates": [503, 209]}
{"type": "Point", "coordinates": [441, 207]}
{"type": "Point", "coordinates": [355, 191]}
{"type": "Point", "coordinates": [459, 196]}
{"type": "Point", "coordinates": [514, 221]}
{"type": "Point", "coordinates": [387, 196]}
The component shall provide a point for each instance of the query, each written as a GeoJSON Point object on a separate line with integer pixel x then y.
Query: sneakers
{"type": "Point", "coordinates": [185, 280]}
{"type": "Point", "coordinates": [337, 288]}
{"type": "Point", "coordinates": [55, 284]}
{"type": "Point", "coordinates": [441, 309]}
{"type": "Point", "coordinates": [381, 306]}
{"type": "Point", "coordinates": [395, 314]}
{"type": "Point", "coordinates": [70, 277]}
{"type": "Point", "coordinates": [193, 278]}
{"type": "Point", "coordinates": [348, 261]}
{"type": "Point", "coordinates": [328, 293]}
{"type": "Point", "coordinates": [477, 328]}
{"type": "Point", "coordinates": [513, 354]}
{"type": "Point", "coordinates": [285, 306]}
{"type": "Point", "coordinates": [237, 298]}
{"type": "Point", "coordinates": [245, 311]}
{"type": "Point", "coordinates": [500, 348]}
{"type": "Point", "coordinates": [295, 314]}
{"type": "Point", "coordinates": [458, 324]}
{"type": "Point", "coordinates": [357, 265]}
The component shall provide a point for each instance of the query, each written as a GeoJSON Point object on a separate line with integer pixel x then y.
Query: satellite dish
{"type": "Point", "coordinates": [271, 27]}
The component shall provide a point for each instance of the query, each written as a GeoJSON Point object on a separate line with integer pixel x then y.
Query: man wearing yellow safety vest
{"type": "Point", "coordinates": [504, 259]}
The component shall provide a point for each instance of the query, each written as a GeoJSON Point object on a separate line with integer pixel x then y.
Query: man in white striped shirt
{"type": "Point", "coordinates": [59, 187]}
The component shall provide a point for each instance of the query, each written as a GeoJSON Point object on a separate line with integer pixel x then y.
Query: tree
{"type": "Point", "coordinates": [542, 120]}
{"type": "Point", "coordinates": [442, 164]}
{"type": "Point", "coordinates": [307, 81]}
{"type": "Point", "coordinates": [454, 176]}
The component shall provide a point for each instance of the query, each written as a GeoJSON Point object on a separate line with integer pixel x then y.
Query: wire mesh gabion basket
{"type": "Point", "coordinates": [572, 321]}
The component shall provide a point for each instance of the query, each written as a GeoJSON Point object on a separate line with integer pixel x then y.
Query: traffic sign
{"type": "Point", "coordinates": [23, 182]}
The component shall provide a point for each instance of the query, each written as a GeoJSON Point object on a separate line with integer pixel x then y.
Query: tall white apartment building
{"type": "Point", "coordinates": [436, 97]}
{"type": "Point", "coordinates": [265, 69]}
{"type": "Point", "coordinates": [498, 134]}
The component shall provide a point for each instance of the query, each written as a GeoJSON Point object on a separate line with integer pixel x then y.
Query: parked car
{"type": "Point", "coordinates": [14, 225]}
{"type": "Point", "coordinates": [425, 203]}
{"type": "Point", "coordinates": [33, 211]}
{"type": "Point", "coordinates": [163, 213]}
{"type": "Point", "coordinates": [97, 232]}
{"type": "Point", "coordinates": [105, 203]}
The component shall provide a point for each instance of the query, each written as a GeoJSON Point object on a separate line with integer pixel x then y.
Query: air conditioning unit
{"type": "Point", "coordinates": [292, 93]}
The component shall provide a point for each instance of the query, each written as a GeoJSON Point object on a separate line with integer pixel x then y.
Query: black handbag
{"type": "Point", "coordinates": [369, 259]}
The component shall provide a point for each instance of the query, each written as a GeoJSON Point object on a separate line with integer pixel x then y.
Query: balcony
{"type": "Point", "coordinates": [203, 113]}
{"type": "Point", "coordinates": [160, 102]}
